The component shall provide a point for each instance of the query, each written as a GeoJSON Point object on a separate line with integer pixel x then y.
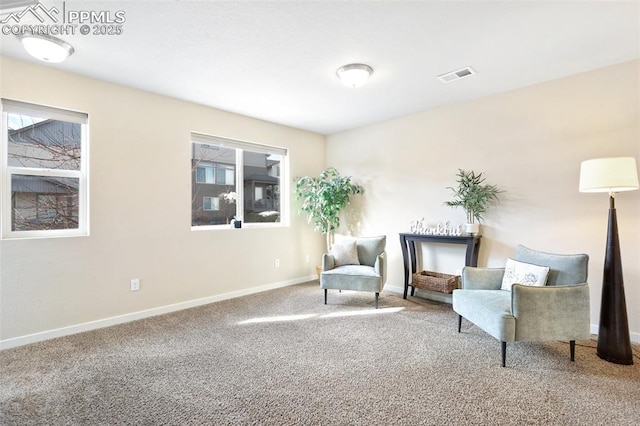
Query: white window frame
{"type": "Point", "coordinates": [240, 147]}
{"type": "Point", "coordinates": [16, 107]}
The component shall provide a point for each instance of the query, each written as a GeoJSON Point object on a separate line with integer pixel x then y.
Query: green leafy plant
{"type": "Point", "coordinates": [323, 198]}
{"type": "Point", "coordinates": [473, 195]}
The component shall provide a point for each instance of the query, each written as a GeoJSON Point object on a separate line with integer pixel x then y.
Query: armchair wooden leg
{"type": "Point", "coordinates": [572, 349]}
{"type": "Point", "coordinates": [377, 294]}
{"type": "Point", "coordinates": [325, 296]}
{"type": "Point", "coordinates": [459, 322]}
{"type": "Point", "coordinates": [503, 347]}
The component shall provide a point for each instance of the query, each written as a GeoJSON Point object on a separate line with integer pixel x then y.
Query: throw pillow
{"type": "Point", "coordinates": [345, 253]}
{"type": "Point", "coordinates": [523, 273]}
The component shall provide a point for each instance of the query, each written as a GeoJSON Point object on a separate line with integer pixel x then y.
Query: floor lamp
{"type": "Point", "coordinates": [612, 175]}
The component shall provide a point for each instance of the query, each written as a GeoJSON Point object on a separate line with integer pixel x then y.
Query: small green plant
{"type": "Point", "coordinates": [323, 198]}
{"type": "Point", "coordinates": [473, 195]}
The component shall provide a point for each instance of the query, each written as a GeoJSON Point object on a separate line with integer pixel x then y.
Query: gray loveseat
{"type": "Point", "coordinates": [558, 310]}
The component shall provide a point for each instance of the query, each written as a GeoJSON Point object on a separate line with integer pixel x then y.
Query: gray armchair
{"type": "Point", "coordinates": [558, 310]}
{"type": "Point", "coordinates": [366, 271]}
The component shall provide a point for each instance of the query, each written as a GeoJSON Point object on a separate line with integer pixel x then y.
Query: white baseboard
{"type": "Point", "coordinates": [120, 319]}
{"type": "Point", "coordinates": [394, 289]}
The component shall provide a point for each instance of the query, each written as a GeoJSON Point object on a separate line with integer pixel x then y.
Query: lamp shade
{"type": "Point", "coordinates": [614, 174]}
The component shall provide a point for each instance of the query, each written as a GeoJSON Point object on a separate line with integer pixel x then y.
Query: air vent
{"type": "Point", "coordinates": [456, 75]}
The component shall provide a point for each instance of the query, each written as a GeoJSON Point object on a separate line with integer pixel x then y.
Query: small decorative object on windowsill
{"type": "Point", "coordinates": [474, 196]}
{"type": "Point", "coordinates": [228, 206]}
{"type": "Point", "coordinates": [236, 222]}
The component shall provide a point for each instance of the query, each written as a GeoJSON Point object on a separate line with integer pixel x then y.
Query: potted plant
{"type": "Point", "coordinates": [323, 198]}
{"type": "Point", "coordinates": [474, 196]}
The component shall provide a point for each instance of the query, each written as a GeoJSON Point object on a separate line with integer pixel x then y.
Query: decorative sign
{"type": "Point", "coordinates": [418, 227]}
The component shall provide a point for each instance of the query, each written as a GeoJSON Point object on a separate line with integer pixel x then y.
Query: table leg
{"type": "Point", "coordinates": [473, 248]}
{"type": "Point", "coordinates": [405, 261]}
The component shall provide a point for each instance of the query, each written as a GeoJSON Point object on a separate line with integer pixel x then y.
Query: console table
{"type": "Point", "coordinates": [408, 244]}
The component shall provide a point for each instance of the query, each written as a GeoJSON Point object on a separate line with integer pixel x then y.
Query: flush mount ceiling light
{"type": "Point", "coordinates": [46, 48]}
{"type": "Point", "coordinates": [354, 75]}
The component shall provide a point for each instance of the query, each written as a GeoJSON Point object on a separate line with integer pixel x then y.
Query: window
{"type": "Point", "coordinates": [217, 164]}
{"type": "Point", "coordinates": [210, 203]}
{"type": "Point", "coordinates": [44, 171]}
{"type": "Point", "coordinates": [220, 174]}
{"type": "Point", "coordinates": [225, 175]}
{"type": "Point", "coordinates": [204, 173]}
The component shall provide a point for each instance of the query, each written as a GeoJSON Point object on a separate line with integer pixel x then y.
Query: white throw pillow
{"type": "Point", "coordinates": [524, 273]}
{"type": "Point", "coordinates": [345, 253]}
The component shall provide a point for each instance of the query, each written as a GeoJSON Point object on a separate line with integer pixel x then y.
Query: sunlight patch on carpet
{"type": "Point", "coordinates": [362, 312]}
{"type": "Point", "coordinates": [278, 318]}
{"type": "Point", "coordinates": [285, 318]}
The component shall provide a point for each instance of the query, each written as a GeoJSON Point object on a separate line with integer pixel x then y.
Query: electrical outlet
{"type": "Point", "coordinates": [277, 263]}
{"type": "Point", "coordinates": [135, 284]}
{"type": "Point", "coordinates": [306, 259]}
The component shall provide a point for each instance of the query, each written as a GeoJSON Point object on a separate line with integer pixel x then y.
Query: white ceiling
{"type": "Point", "coordinates": [276, 60]}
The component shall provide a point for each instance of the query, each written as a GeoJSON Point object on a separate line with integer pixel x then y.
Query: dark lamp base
{"type": "Point", "coordinates": [614, 344]}
{"type": "Point", "coordinates": [615, 360]}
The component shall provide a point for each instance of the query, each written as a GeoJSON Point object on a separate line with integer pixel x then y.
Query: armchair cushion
{"type": "Point", "coordinates": [523, 273]}
{"type": "Point", "coordinates": [352, 277]}
{"type": "Point", "coordinates": [491, 310]}
{"type": "Point", "coordinates": [345, 253]}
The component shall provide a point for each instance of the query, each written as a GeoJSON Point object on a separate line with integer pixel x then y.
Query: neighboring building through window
{"type": "Point", "coordinates": [44, 171]}
{"type": "Point", "coordinates": [218, 163]}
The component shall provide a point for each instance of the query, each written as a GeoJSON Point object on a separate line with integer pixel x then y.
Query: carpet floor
{"type": "Point", "coordinates": [282, 357]}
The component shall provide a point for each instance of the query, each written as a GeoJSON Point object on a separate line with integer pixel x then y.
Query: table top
{"type": "Point", "coordinates": [450, 238]}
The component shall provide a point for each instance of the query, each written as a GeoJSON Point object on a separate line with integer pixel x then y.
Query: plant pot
{"type": "Point", "coordinates": [472, 228]}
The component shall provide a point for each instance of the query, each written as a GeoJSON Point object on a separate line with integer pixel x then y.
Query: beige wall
{"type": "Point", "coordinates": [530, 142]}
{"type": "Point", "coordinates": [140, 195]}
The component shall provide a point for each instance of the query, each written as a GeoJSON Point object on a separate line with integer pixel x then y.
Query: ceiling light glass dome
{"type": "Point", "coordinates": [354, 75]}
{"type": "Point", "coordinates": [46, 48]}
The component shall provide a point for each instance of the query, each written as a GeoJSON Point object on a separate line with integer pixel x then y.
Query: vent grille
{"type": "Point", "coordinates": [456, 75]}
